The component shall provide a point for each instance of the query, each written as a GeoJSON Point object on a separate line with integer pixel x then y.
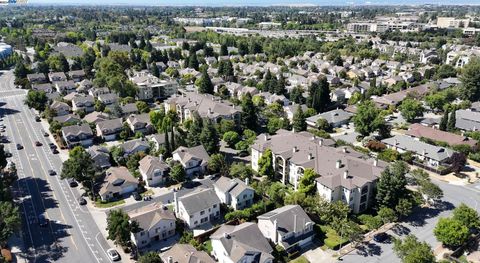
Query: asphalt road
{"type": "Point", "coordinates": [71, 235]}
{"type": "Point", "coordinates": [420, 224]}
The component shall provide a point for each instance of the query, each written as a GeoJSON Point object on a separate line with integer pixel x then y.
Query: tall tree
{"type": "Point", "coordinates": [467, 216]}
{"type": "Point", "coordinates": [119, 227]}
{"type": "Point", "coordinates": [209, 137]}
{"type": "Point", "coordinates": [320, 95]}
{"type": "Point", "coordinates": [281, 83]}
{"type": "Point", "coordinates": [451, 232]}
{"type": "Point", "coordinates": [299, 120]}
{"type": "Point", "coordinates": [444, 121]}
{"type": "Point", "coordinates": [411, 109]}
{"type": "Point", "coordinates": [391, 185]}
{"type": "Point", "coordinates": [205, 83]}
{"type": "Point", "coordinates": [307, 183]}
{"type": "Point", "coordinates": [249, 112]}
{"type": "Point", "coordinates": [177, 173]}
{"type": "Point", "coordinates": [368, 118]}
{"type": "Point", "coordinates": [411, 250]}
{"type": "Point", "coordinates": [452, 121]}
{"type": "Point", "coordinates": [194, 130]}
{"type": "Point", "coordinates": [470, 88]}
{"type": "Point", "coordinates": [265, 164]}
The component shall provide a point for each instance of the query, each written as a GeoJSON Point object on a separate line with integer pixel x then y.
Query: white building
{"type": "Point", "coordinates": [197, 208]}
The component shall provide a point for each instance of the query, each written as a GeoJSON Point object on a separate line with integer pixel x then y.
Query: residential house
{"type": "Point", "coordinates": [290, 110]}
{"type": "Point", "coordinates": [158, 140]}
{"type": "Point", "coordinates": [100, 156]}
{"type": "Point", "coordinates": [129, 109]}
{"type": "Point", "coordinates": [194, 159]}
{"type": "Point", "coordinates": [108, 98]}
{"type": "Point", "coordinates": [77, 135]}
{"type": "Point", "coordinates": [45, 87]}
{"type": "Point", "coordinates": [156, 223]}
{"type": "Point", "coordinates": [198, 207]}
{"type": "Point", "coordinates": [96, 117]}
{"type": "Point", "coordinates": [76, 75]}
{"type": "Point", "coordinates": [206, 105]}
{"type": "Point", "coordinates": [429, 155]}
{"type": "Point", "coordinates": [60, 108]}
{"type": "Point", "coordinates": [140, 123]}
{"type": "Point", "coordinates": [150, 87]}
{"type": "Point", "coordinates": [288, 226]}
{"type": "Point", "coordinates": [234, 192]}
{"type": "Point", "coordinates": [342, 172]}
{"type": "Point", "coordinates": [36, 78]}
{"type": "Point", "coordinates": [109, 129]}
{"type": "Point", "coordinates": [241, 243]}
{"type": "Point", "coordinates": [65, 87]}
{"type": "Point", "coordinates": [95, 92]}
{"type": "Point", "coordinates": [154, 170]}
{"type": "Point", "coordinates": [57, 76]}
{"type": "Point", "coordinates": [134, 146]}
{"type": "Point", "coordinates": [336, 118]}
{"type": "Point", "coordinates": [467, 120]}
{"type": "Point", "coordinates": [185, 253]}
{"type": "Point", "coordinates": [68, 119]}
{"type": "Point", "coordinates": [118, 182]}
{"type": "Point", "coordinates": [84, 103]}
{"type": "Point", "coordinates": [420, 131]}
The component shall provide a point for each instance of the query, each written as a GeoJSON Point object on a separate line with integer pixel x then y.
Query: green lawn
{"type": "Point", "coordinates": [300, 259]}
{"type": "Point", "coordinates": [101, 204]}
{"type": "Point", "coordinates": [148, 192]}
{"type": "Point", "coordinates": [332, 239]}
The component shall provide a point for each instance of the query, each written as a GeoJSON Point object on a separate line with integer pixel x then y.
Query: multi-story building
{"type": "Point", "coordinates": [197, 208]}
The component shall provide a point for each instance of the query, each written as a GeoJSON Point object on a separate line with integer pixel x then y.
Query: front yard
{"type": "Point", "coordinates": [101, 204]}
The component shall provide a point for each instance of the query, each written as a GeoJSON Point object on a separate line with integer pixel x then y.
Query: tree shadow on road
{"type": "Point", "coordinates": [420, 214]}
{"type": "Point", "coordinates": [369, 249]}
{"type": "Point", "coordinates": [6, 111]}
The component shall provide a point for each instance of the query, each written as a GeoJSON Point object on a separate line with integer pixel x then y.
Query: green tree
{"type": "Point", "coordinates": [299, 123]}
{"type": "Point", "coordinates": [404, 207]}
{"type": "Point", "coordinates": [150, 257]}
{"type": "Point", "coordinates": [240, 170]}
{"type": "Point", "coordinates": [387, 215]}
{"type": "Point", "coordinates": [218, 164]}
{"type": "Point", "coordinates": [444, 121]}
{"type": "Point", "coordinates": [209, 137]}
{"type": "Point", "coordinates": [307, 182]}
{"type": "Point", "coordinates": [10, 221]}
{"type": "Point", "coordinates": [467, 216]}
{"type": "Point", "coordinates": [204, 83]}
{"type": "Point", "coordinates": [265, 164]}
{"type": "Point", "coordinates": [391, 185]}
{"type": "Point", "coordinates": [142, 106]}
{"type": "Point", "coordinates": [411, 109]}
{"type": "Point", "coordinates": [451, 232]}
{"type": "Point", "coordinates": [430, 190]}
{"type": "Point", "coordinates": [119, 227]}
{"type": "Point", "coordinates": [249, 112]}
{"type": "Point", "coordinates": [177, 173]}
{"type": "Point", "coordinates": [36, 99]}
{"type": "Point", "coordinates": [276, 193]}
{"type": "Point", "coordinates": [368, 118]}
{"type": "Point", "coordinates": [451, 122]}
{"type": "Point", "coordinates": [411, 250]}
{"type": "Point", "coordinates": [231, 138]}
{"type": "Point", "coordinates": [320, 95]}
{"type": "Point", "coordinates": [470, 88]}
{"type": "Point", "coordinates": [80, 166]}
{"type": "Point", "coordinates": [372, 222]}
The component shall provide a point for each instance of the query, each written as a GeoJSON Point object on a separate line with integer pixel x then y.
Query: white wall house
{"type": "Point", "coordinates": [197, 208]}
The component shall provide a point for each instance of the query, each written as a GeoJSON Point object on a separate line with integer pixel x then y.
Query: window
{"type": "Point", "coordinates": [142, 233]}
{"type": "Point", "coordinates": [214, 206]}
{"type": "Point", "coordinates": [202, 213]}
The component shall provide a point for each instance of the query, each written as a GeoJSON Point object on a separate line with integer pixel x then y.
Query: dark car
{"type": "Point", "coordinates": [72, 182]}
{"type": "Point", "coordinates": [42, 221]}
{"type": "Point", "coordinates": [45, 134]}
{"type": "Point", "coordinates": [19, 146]}
{"type": "Point", "coordinates": [136, 196]}
{"type": "Point", "coordinates": [54, 150]}
{"type": "Point", "coordinates": [37, 143]}
{"type": "Point", "coordinates": [8, 154]}
{"type": "Point", "coordinates": [381, 237]}
{"type": "Point", "coordinates": [51, 172]}
{"type": "Point", "coordinates": [52, 145]}
{"type": "Point", "coordinates": [82, 201]}
{"type": "Point", "coordinates": [4, 140]}
{"type": "Point", "coordinates": [37, 118]}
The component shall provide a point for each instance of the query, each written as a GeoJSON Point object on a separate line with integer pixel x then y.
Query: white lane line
{"type": "Point", "coordinates": [58, 181]}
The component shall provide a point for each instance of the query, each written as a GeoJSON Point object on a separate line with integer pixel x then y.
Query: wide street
{"type": "Point", "coordinates": [421, 224]}
{"type": "Point", "coordinates": [71, 235]}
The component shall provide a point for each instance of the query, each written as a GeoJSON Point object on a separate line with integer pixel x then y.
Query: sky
{"type": "Point", "coordinates": [251, 2]}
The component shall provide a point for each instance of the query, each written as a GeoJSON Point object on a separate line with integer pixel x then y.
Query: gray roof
{"type": "Point", "coordinates": [100, 156]}
{"type": "Point", "coordinates": [129, 108]}
{"type": "Point", "coordinates": [199, 200]}
{"type": "Point", "coordinates": [77, 130]}
{"type": "Point", "coordinates": [334, 116]}
{"type": "Point", "coordinates": [185, 253]}
{"type": "Point", "coordinates": [94, 117]}
{"type": "Point", "coordinates": [71, 118]}
{"type": "Point", "coordinates": [205, 104]}
{"type": "Point", "coordinates": [233, 186]}
{"type": "Point", "coordinates": [110, 126]}
{"type": "Point", "coordinates": [285, 217]}
{"type": "Point", "coordinates": [149, 164]}
{"type": "Point", "coordinates": [244, 241]}
{"type": "Point", "coordinates": [157, 137]}
{"type": "Point", "coordinates": [149, 216]}
{"type": "Point", "coordinates": [416, 146]}
{"type": "Point", "coordinates": [116, 179]}
{"type": "Point", "coordinates": [467, 120]}
{"type": "Point", "coordinates": [135, 145]}
{"type": "Point", "coordinates": [197, 152]}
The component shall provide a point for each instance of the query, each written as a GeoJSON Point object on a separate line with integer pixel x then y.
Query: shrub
{"type": "Point", "coordinates": [376, 146]}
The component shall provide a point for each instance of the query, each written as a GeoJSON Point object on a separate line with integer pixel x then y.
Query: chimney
{"type": "Point", "coordinates": [295, 223]}
{"type": "Point", "coordinates": [175, 198]}
{"type": "Point", "coordinates": [275, 226]}
{"type": "Point", "coordinates": [295, 149]}
{"type": "Point", "coordinates": [424, 152]}
{"type": "Point", "coordinates": [170, 259]}
{"type": "Point", "coordinates": [160, 157]}
{"type": "Point", "coordinates": [338, 164]}
{"type": "Point", "coordinates": [345, 174]}
{"type": "Point", "coordinates": [209, 110]}
{"type": "Point", "coordinates": [226, 235]}
{"type": "Point", "coordinates": [265, 137]}
{"type": "Point", "coordinates": [310, 156]}
{"type": "Point", "coordinates": [320, 142]}
{"type": "Point", "coordinates": [375, 162]}
{"type": "Point", "coordinates": [293, 130]}
{"type": "Point", "coordinates": [247, 181]}
{"type": "Point", "coordinates": [314, 138]}
{"type": "Point", "coordinates": [344, 149]}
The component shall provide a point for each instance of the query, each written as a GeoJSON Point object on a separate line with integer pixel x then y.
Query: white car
{"type": "Point", "coordinates": [113, 254]}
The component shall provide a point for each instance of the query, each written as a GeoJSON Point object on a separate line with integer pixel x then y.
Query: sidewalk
{"type": "Point", "coordinates": [367, 238]}
{"type": "Point", "coordinates": [17, 247]}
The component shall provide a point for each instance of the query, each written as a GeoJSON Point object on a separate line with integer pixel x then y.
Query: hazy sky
{"type": "Point", "coordinates": [249, 2]}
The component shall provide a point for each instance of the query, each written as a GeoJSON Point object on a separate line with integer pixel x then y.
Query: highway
{"type": "Point", "coordinates": [71, 235]}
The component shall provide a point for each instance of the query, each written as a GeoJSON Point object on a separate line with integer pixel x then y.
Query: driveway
{"type": "Point", "coordinates": [421, 224]}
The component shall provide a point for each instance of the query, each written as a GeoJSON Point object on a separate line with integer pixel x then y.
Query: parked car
{"type": "Point", "coordinates": [42, 221]}
{"type": "Point", "coordinates": [51, 172]}
{"type": "Point", "coordinates": [19, 146]}
{"type": "Point", "coordinates": [45, 134]}
{"type": "Point", "coordinates": [37, 118]}
{"type": "Point", "coordinates": [52, 145]}
{"type": "Point", "coordinates": [147, 198]}
{"type": "Point", "coordinates": [82, 201]}
{"type": "Point", "coordinates": [37, 143]}
{"type": "Point", "coordinates": [72, 182]}
{"type": "Point", "coordinates": [381, 237]}
{"type": "Point", "coordinates": [8, 154]}
{"type": "Point", "coordinates": [136, 196]}
{"type": "Point", "coordinates": [113, 254]}
{"type": "Point", "coordinates": [4, 140]}
{"type": "Point", "coordinates": [54, 150]}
